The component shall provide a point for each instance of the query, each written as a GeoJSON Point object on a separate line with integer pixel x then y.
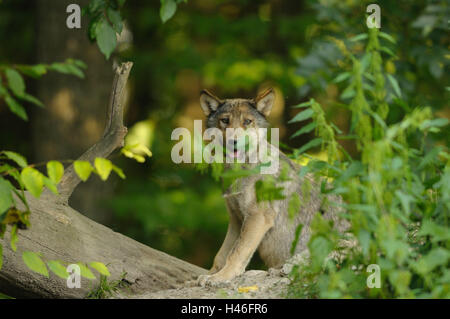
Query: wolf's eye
{"type": "Point", "coordinates": [225, 120]}
{"type": "Point", "coordinates": [247, 122]}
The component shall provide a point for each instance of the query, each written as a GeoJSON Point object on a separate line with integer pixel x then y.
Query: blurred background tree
{"type": "Point", "coordinates": [233, 48]}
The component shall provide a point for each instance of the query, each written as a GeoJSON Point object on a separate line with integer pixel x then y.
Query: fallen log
{"type": "Point", "coordinates": [59, 232]}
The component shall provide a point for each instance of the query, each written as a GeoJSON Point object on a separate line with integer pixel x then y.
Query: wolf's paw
{"type": "Point", "coordinates": [211, 281]}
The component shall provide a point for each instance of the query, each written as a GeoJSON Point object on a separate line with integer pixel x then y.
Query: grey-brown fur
{"type": "Point", "coordinates": [263, 226]}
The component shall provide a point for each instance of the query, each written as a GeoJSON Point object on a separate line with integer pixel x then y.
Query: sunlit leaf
{"type": "Point", "coordinates": [58, 269]}
{"type": "Point", "coordinates": [14, 237]}
{"type": "Point", "coordinates": [33, 180]}
{"type": "Point", "coordinates": [34, 262]}
{"type": "Point", "coordinates": [55, 171]}
{"type": "Point", "coordinates": [103, 167]}
{"type": "Point", "coordinates": [118, 171]}
{"type": "Point", "coordinates": [101, 268]}
{"type": "Point", "coordinates": [50, 185]}
{"type": "Point", "coordinates": [85, 271]}
{"type": "Point", "coordinates": [6, 200]}
{"type": "Point", "coordinates": [19, 159]}
{"type": "Point", "coordinates": [83, 169]}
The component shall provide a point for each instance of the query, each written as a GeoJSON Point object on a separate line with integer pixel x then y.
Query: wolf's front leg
{"type": "Point", "coordinates": [234, 228]}
{"type": "Point", "coordinates": [253, 230]}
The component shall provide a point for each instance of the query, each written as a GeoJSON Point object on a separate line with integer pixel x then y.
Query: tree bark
{"type": "Point", "coordinates": [59, 232]}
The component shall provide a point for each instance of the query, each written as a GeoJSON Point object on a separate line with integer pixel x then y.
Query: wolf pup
{"type": "Point", "coordinates": [263, 226]}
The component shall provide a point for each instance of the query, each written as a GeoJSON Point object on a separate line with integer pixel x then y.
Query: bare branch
{"type": "Point", "coordinates": [113, 136]}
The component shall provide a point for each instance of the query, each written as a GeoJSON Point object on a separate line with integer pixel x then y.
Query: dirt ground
{"type": "Point", "coordinates": [252, 284]}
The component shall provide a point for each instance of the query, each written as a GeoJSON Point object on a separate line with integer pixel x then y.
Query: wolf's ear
{"type": "Point", "coordinates": [264, 101]}
{"type": "Point", "coordinates": [209, 102]}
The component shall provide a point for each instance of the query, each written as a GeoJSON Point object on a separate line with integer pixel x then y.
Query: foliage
{"type": "Point", "coordinates": [27, 177]}
{"type": "Point", "coordinates": [107, 289]}
{"type": "Point", "coordinates": [13, 88]}
{"type": "Point", "coordinates": [105, 22]}
{"type": "Point", "coordinates": [395, 192]}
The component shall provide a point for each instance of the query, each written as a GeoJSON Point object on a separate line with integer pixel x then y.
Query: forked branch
{"type": "Point", "coordinates": [113, 136]}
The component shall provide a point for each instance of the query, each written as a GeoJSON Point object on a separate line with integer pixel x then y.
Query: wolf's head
{"type": "Point", "coordinates": [236, 114]}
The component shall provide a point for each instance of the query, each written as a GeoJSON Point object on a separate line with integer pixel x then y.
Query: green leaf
{"type": "Point", "coordinates": [116, 20]}
{"type": "Point", "coordinates": [400, 279]}
{"type": "Point", "coordinates": [35, 71]}
{"type": "Point", "coordinates": [58, 269]}
{"type": "Point", "coordinates": [118, 171]}
{"type": "Point", "coordinates": [294, 205]}
{"type": "Point", "coordinates": [298, 231]}
{"type": "Point", "coordinates": [435, 231]}
{"type": "Point", "coordinates": [306, 114]}
{"type": "Point", "coordinates": [55, 171]}
{"type": "Point", "coordinates": [34, 262]}
{"type": "Point", "coordinates": [395, 85]}
{"type": "Point", "coordinates": [14, 237]}
{"type": "Point", "coordinates": [359, 37]}
{"type": "Point", "coordinates": [101, 268]}
{"type": "Point", "coordinates": [106, 38]}
{"type": "Point", "coordinates": [6, 200]}
{"type": "Point", "coordinates": [439, 122]}
{"type": "Point", "coordinates": [83, 169]}
{"type": "Point", "coordinates": [364, 241]}
{"type": "Point", "coordinates": [348, 93]}
{"type": "Point", "coordinates": [15, 82]}
{"type": "Point", "coordinates": [310, 144]}
{"type": "Point", "coordinates": [304, 104]}
{"type": "Point", "coordinates": [342, 77]}
{"type": "Point", "coordinates": [16, 108]}
{"type": "Point", "coordinates": [267, 190]}
{"type": "Point", "coordinates": [50, 185]}
{"type": "Point", "coordinates": [85, 271]}
{"type": "Point", "coordinates": [33, 181]}
{"type": "Point", "coordinates": [78, 63]}
{"type": "Point", "coordinates": [67, 68]}
{"type": "Point", "coordinates": [388, 52]}
{"type": "Point", "coordinates": [96, 6]}
{"type": "Point", "coordinates": [387, 37]}
{"type": "Point", "coordinates": [305, 129]}
{"type": "Point", "coordinates": [168, 8]}
{"type": "Point", "coordinates": [320, 247]}
{"type": "Point", "coordinates": [405, 200]}
{"type": "Point", "coordinates": [103, 167]}
{"type": "Point", "coordinates": [436, 257]}
{"type": "Point", "coordinates": [19, 159]}
{"type": "Point", "coordinates": [30, 98]}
